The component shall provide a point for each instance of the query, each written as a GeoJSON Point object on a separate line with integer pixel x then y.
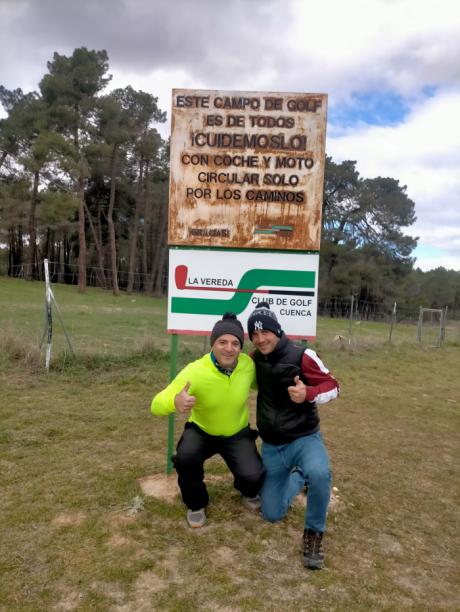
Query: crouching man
{"type": "Point", "coordinates": [214, 391]}
{"type": "Point", "coordinates": [291, 382]}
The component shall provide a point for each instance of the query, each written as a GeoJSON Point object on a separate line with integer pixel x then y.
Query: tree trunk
{"type": "Point", "coordinates": [3, 156]}
{"type": "Point", "coordinates": [161, 250]}
{"type": "Point", "coordinates": [337, 237]}
{"type": "Point", "coordinates": [155, 240]}
{"type": "Point", "coordinates": [15, 251]}
{"type": "Point", "coordinates": [103, 257]}
{"type": "Point", "coordinates": [30, 268]}
{"type": "Point", "coordinates": [61, 275]}
{"type": "Point", "coordinates": [53, 255]}
{"type": "Point", "coordinates": [112, 236]}
{"type": "Point", "coordinates": [10, 253]}
{"type": "Point", "coordinates": [45, 248]}
{"type": "Point", "coordinates": [149, 237]}
{"type": "Point", "coordinates": [81, 237]}
{"type": "Point", "coordinates": [133, 238]}
{"type": "Point", "coordinates": [147, 230]}
{"type": "Point", "coordinates": [81, 215]}
{"type": "Point", "coordinates": [97, 244]}
{"type": "Point", "coordinates": [162, 263]}
{"type": "Point", "coordinates": [67, 259]}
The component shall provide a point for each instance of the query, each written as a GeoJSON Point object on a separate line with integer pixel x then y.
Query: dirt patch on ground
{"type": "Point", "coordinates": [117, 540]}
{"type": "Point", "coordinates": [160, 486]}
{"type": "Point", "coordinates": [165, 487]}
{"type": "Point", "coordinates": [226, 554]}
{"type": "Point", "coordinates": [150, 583]}
{"type": "Point", "coordinates": [147, 584]}
{"type": "Point", "coordinates": [389, 544]}
{"type": "Point", "coordinates": [172, 565]}
{"type": "Point", "coordinates": [69, 518]}
{"type": "Point", "coordinates": [109, 590]}
{"type": "Point", "coordinates": [70, 600]}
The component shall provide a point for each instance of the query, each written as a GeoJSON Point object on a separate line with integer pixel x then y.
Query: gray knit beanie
{"type": "Point", "coordinates": [229, 324]}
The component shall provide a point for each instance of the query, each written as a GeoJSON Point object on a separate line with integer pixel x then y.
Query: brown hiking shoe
{"type": "Point", "coordinates": [313, 555]}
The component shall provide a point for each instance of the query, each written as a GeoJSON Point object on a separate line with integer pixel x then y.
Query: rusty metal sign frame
{"type": "Point", "coordinates": [247, 169]}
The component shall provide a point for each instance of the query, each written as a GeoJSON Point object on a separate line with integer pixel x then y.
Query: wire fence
{"type": "Point", "coordinates": [68, 274]}
{"type": "Point", "coordinates": [427, 326]}
{"type": "Point", "coordinates": [349, 307]}
{"type": "Point", "coordinates": [423, 325]}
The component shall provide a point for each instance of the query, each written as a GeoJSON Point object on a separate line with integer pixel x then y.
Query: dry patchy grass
{"type": "Point", "coordinates": [90, 522]}
{"type": "Point", "coordinates": [80, 531]}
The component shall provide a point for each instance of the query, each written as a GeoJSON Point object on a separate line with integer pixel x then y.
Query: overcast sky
{"type": "Point", "coordinates": [391, 69]}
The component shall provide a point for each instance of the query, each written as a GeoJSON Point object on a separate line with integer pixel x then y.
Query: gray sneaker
{"type": "Point", "coordinates": [196, 518]}
{"type": "Point", "coordinates": [251, 503]}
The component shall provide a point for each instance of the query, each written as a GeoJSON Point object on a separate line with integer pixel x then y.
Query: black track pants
{"type": "Point", "coordinates": [239, 453]}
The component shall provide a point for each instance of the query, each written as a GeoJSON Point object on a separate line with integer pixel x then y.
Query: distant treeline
{"type": "Point", "coordinates": [84, 183]}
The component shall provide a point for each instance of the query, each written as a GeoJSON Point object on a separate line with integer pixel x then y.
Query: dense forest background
{"type": "Point", "coordinates": [84, 184]}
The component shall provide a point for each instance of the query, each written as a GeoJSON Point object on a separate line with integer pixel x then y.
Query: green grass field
{"type": "Point", "coordinates": [80, 533]}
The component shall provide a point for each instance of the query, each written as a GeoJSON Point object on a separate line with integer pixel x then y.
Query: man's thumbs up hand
{"type": "Point", "coordinates": [183, 401]}
{"type": "Point", "coordinates": [298, 391]}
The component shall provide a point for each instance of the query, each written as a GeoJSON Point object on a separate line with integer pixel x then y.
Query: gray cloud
{"type": "Point", "coordinates": [290, 43]}
{"type": "Point", "coordinates": [400, 47]}
{"type": "Point", "coordinates": [204, 37]}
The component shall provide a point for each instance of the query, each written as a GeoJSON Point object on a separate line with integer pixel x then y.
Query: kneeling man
{"type": "Point", "coordinates": [214, 391]}
{"type": "Point", "coordinates": [291, 382]}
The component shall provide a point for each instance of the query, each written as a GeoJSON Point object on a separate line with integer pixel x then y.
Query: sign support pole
{"type": "Point", "coordinates": [172, 374]}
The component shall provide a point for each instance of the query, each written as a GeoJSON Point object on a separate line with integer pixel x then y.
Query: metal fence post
{"type": "Point", "coordinates": [392, 321]}
{"type": "Point", "coordinates": [419, 325]}
{"type": "Point", "coordinates": [350, 326]}
{"type": "Point", "coordinates": [443, 325]}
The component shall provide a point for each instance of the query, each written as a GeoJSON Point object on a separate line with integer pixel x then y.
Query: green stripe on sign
{"type": "Point", "coordinates": [252, 279]}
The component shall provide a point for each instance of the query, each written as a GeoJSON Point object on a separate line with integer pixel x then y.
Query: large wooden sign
{"type": "Point", "coordinates": [247, 169]}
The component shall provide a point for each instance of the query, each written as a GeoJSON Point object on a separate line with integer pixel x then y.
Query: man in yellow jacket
{"type": "Point", "coordinates": [214, 391]}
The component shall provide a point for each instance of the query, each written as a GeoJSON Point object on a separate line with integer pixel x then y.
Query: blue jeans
{"type": "Point", "coordinates": [291, 466]}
